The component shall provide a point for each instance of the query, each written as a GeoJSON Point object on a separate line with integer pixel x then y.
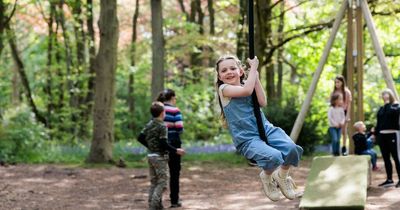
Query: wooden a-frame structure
{"type": "Point", "coordinates": [354, 61]}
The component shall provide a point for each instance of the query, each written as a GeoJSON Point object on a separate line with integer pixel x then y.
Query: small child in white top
{"type": "Point", "coordinates": [336, 118]}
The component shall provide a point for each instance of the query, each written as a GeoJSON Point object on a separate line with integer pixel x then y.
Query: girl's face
{"type": "Point", "coordinates": [338, 84]}
{"type": "Point", "coordinates": [339, 101]}
{"type": "Point", "coordinates": [173, 100]}
{"type": "Point", "coordinates": [229, 72]}
{"type": "Point", "coordinates": [386, 98]}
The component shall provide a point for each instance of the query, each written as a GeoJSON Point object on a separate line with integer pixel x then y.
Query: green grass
{"type": "Point", "coordinates": [75, 156]}
{"type": "Point", "coordinates": [228, 160]}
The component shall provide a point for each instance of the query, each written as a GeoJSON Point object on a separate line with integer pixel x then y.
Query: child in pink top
{"type": "Point", "coordinates": [336, 119]}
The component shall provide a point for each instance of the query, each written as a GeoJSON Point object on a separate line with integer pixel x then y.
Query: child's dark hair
{"type": "Point", "coordinates": [334, 98]}
{"type": "Point", "coordinates": [165, 95]}
{"type": "Point", "coordinates": [219, 82]}
{"type": "Point", "coordinates": [156, 108]}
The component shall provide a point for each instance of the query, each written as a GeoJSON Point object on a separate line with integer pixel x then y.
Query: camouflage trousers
{"type": "Point", "coordinates": [158, 166]}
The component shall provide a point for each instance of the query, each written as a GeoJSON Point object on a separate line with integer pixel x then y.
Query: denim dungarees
{"type": "Point", "coordinates": [243, 128]}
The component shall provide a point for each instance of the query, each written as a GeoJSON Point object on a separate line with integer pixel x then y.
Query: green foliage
{"type": "Point", "coordinates": [21, 137]}
{"type": "Point", "coordinates": [227, 159]}
{"type": "Point", "coordinates": [141, 94]}
{"type": "Point", "coordinates": [285, 116]}
{"type": "Point", "coordinates": [63, 153]}
{"type": "Point", "coordinates": [200, 119]}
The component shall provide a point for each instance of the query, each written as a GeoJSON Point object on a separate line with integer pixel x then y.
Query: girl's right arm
{"type": "Point", "coordinates": [348, 105]}
{"type": "Point", "coordinates": [248, 87]}
{"type": "Point", "coordinates": [262, 99]}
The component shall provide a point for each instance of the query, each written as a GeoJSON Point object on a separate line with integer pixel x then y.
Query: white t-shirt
{"type": "Point", "coordinates": [336, 116]}
{"type": "Point", "coordinates": [224, 100]}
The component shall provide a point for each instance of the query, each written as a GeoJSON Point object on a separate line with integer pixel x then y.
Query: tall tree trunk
{"type": "Point", "coordinates": [204, 49]}
{"type": "Point", "coordinates": [70, 73]}
{"type": "Point", "coordinates": [281, 25]}
{"type": "Point", "coordinates": [263, 43]}
{"type": "Point", "coordinates": [242, 34]}
{"type": "Point", "coordinates": [294, 77]}
{"type": "Point", "coordinates": [192, 16]}
{"type": "Point", "coordinates": [80, 39]}
{"type": "Point", "coordinates": [200, 19]}
{"type": "Point", "coordinates": [49, 78]}
{"type": "Point", "coordinates": [24, 79]}
{"type": "Point", "coordinates": [106, 63]}
{"type": "Point", "coordinates": [92, 56]}
{"type": "Point", "coordinates": [16, 81]}
{"type": "Point", "coordinates": [68, 52]}
{"type": "Point", "coordinates": [183, 9]}
{"type": "Point", "coordinates": [82, 115]}
{"type": "Point", "coordinates": [157, 75]}
{"type": "Point", "coordinates": [260, 33]}
{"type": "Point", "coordinates": [270, 76]}
{"type": "Point", "coordinates": [16, 84]}
{"type": "Point", "coordinates": [4, 21]}
{"type": "Point", "coordinates": [197, 16]}
{"type": "Point", "coordinates": [79, 34]}
{"type": "Point", "coordinates": [209, 50]}
{"type": "Point", "coordinates": [60, 81]}
{"type": "Point", "coordinates": [62, 84]}
{"type": "Point", "coordinates": [2, 24]}
{"type": "Point", "coordinates": [131, 82]}
{"type": "Point", "coordinates": [211, 12]}
{"type": "Point", "coordinates": [181, 65]}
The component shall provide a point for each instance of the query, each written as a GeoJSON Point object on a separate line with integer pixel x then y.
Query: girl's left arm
{"type": "Point", "coordinates": [349, 99]}
{"type": "Point", "coordinates": [262, 99]}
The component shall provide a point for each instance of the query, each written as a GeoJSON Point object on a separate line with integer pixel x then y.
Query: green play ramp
{"type": "Point", "coordinates": [337, 183]}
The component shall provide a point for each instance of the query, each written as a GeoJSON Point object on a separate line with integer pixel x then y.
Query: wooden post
{"type": "Point", "coordinates": [360, 66]}
{"type": "Point", "coordinates": [350, 75]}
{"type": "Point", "coordinates": [307, 101]}
{"type": "Point", "coordinates": [378, 49]}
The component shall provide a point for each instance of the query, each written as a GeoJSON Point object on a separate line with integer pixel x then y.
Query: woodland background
{"type": "Point", "coordinates": [77, 77]}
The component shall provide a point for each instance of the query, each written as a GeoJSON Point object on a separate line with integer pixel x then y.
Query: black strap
{"type": "Point", "coordinates": [256, 105]}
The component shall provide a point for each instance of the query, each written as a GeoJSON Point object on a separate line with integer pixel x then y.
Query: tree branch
{"type": "Point", "coordinates": [311, 28]}
{"type": "Point", "coordinates": [385, 13]}
{"type": "Point", "coordinates": [183, 9]}
{"type": "Point", "coordinates": [316, 25]}
{"type": "Point", "coordinates": [275, 4]}
{"type": "Point", "coordinates": [367, 60]}
{"type": "Point", "coordinates": [288, 9]}
{"type": "Point", "coordinates": [24, 77]}
{"type": "Point", "coordinates": [12, 13]}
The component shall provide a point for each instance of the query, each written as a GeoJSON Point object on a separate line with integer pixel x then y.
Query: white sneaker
{"type": "Point", "coordinates": [270, 187]}
{"type": "Point", "coordinates": [286, 185]}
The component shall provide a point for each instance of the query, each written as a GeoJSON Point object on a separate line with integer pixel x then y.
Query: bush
{"type": "Point", "coordinates": [285, 116]}
{"type": "Point", "coordinates": [21, 137]}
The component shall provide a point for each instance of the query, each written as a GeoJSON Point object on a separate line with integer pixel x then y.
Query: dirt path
{"type": "Point", "coordinates": [203, 187]}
